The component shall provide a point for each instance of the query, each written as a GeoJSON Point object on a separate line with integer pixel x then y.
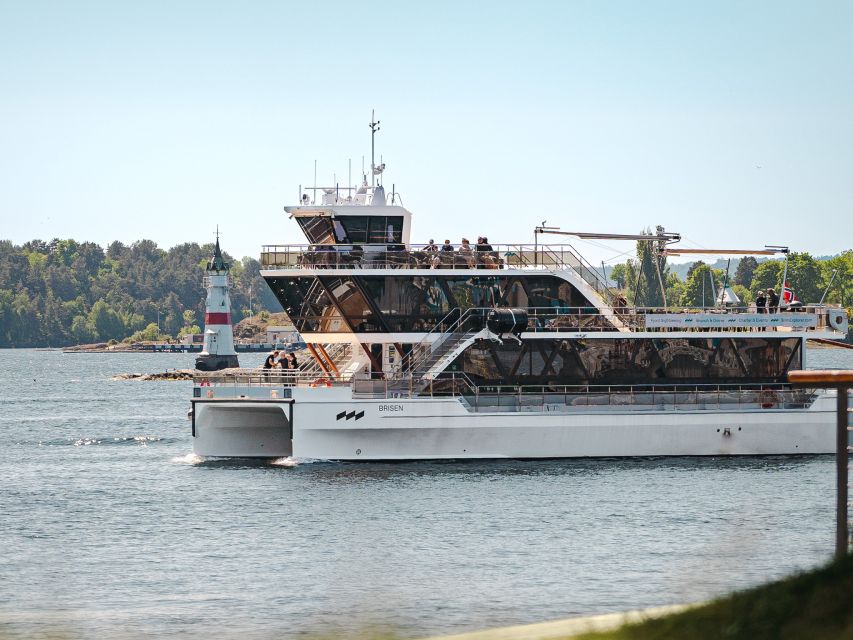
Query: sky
{"type": "Point", "coordinates": [728, 122]}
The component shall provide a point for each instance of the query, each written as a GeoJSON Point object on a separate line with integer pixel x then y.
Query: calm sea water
{"type": "Point", "coordinates": [109, 527]}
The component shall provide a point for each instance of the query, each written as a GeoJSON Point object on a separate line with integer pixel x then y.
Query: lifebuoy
{"type": "Point", "coordinates": [321, 382]}
{"type": "Point", "coordinates": [838, 320]}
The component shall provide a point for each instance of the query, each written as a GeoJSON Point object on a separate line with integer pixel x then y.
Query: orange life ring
{"type": "Point", "coordinates": [321, 382]}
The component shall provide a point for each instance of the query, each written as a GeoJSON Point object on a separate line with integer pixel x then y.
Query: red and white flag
{"type": "Point", "coordinates": [788, 295]}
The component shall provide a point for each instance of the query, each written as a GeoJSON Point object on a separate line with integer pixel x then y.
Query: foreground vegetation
{"type": "Point", "coordinates": [817, 605]}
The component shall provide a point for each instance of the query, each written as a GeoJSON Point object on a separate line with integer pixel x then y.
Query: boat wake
{"type": "Point", "coordinates": [285, 462]}
{"type": "Point", "coordinates": [190, 458]}
{"type": "Point", "coordinates": [290, 461]}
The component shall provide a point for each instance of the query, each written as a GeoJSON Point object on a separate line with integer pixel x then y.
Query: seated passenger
{"type": "Point", "coordinates": [431, 247]}
{"type": "Point", "coordinates": [466, 252]}
{"type": "Point", "coordinates": [447, 246]}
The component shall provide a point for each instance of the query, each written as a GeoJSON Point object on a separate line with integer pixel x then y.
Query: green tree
{"type": "Point", "coordinates": [189, 331]}
{"type": "Point", "coordinates": [767, 274]}
{"type": "Point", "coordinates": [841, 289]}
{"type": "Point", "coordinates": [149, 334]}
{"type": "Point", "coordinates": [693, 268]}
{"type": "Point", "coordinates": [82, 330]}
{"type": "Point", "coordinates": [618, 274]}
{"type": "Point", "coordinates": [805, 277]}
{"type": "Point", "coordinates": [106, 322]}
{"type": "Point", "coordinates": [745, 271]}
{"type": "Point", "coordinates": [652, 264]}
{"type": "Point", "coordinates": [701, 288]}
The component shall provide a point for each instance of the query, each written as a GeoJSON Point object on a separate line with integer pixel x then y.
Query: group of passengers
{"type": "Point", "coordinates": [481, 256]}
{"type": "Point", "coordinates": [281, 360]}
{"type": "Point", "coordinates": [768, 303]}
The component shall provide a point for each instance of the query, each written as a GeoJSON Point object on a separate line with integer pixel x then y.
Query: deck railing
{"type": "Point", "coordinates": [253, 384]}
{"type": "Point", "coordinates": [501, 256]}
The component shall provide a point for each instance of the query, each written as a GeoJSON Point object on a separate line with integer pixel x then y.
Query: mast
{"type": "Point", "coordinates": [374, 127]}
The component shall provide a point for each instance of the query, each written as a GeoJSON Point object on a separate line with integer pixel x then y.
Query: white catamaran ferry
{"type": "Point", "coordinates": [501, 351]}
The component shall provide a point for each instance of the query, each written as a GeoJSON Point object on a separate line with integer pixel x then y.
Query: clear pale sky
{"type": "Point", "coordinates": [730, 122]}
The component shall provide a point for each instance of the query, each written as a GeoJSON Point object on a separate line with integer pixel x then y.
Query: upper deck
{"type": "Point", "coordinates": [420, 257]}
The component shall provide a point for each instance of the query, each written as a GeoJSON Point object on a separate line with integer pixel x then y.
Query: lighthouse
{"type": "Point", "coordinates": [218, 352]}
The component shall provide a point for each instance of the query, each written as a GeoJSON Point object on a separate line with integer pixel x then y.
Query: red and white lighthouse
{"type": "Point", "coordinates": [218, 351]}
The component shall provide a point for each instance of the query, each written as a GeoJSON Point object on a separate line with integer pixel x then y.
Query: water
{"type": "Point", "coordinates": [110, 527]}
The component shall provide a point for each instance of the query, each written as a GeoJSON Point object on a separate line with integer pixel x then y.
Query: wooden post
{"type": "Point", "coordinates": [842, 381]}
{"type": "Point", "coordinates": [841, 462]}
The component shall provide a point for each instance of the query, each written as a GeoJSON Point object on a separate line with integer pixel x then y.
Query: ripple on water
{"type": "Point", "coordinates": [88, 441]}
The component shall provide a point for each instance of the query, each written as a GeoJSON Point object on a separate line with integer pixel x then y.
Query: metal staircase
{"type": "Point", "coordinates": [340, 354]}
{"type": "Point", "coordinates": [447, 333]}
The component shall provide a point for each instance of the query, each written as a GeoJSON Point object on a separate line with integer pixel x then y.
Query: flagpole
{"type": "Point", "coordinates": [784, 284]}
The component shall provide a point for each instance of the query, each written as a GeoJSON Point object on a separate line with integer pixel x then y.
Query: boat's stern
{"type": "Point", "coordinates": [249, 418]}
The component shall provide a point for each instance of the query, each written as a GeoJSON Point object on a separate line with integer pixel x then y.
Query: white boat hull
{"type": "Point", "coordinates": [329, 424]}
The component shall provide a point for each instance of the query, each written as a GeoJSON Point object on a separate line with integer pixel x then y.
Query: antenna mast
{"type": "Point", "coordinates": [374, 127]}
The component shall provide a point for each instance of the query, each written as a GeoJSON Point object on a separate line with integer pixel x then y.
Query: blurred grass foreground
{"type": "Point", "coordinates": [815, 605]}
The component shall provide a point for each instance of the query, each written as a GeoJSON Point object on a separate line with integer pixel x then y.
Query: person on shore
{"type": "Point", "coordinates": [760, 302]}
{"type": "Point", "coordinates": [772, 301]}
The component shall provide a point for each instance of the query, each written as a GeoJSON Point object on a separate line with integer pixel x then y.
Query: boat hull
{"type": "Point", "coordinates": [329, 424]}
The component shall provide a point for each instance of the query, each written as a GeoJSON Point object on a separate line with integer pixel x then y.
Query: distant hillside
{"type": "Point", "coordinates": [65, 292]}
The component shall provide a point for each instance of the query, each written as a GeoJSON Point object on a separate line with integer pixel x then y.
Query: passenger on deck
{"type": "Point", "coordinates": [447, 246]}
{"type": "Point", "coordinates": [431, 247]}
{"type": "Point", "coordinates": [467, 253]}
{"type": "Point", "coordinates": [291, 357]}
{"type": "Point", "coordinates": [772, 301]}
{"type": "Point", "coordinates": [270, 362]}
{"type": "Point", "coordinates": [485, 257]}
{"type": "Point", "coordinates": [760, 302]}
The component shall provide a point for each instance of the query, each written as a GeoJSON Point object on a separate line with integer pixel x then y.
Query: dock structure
{"type": "Point", "coordinates": [842, 381]}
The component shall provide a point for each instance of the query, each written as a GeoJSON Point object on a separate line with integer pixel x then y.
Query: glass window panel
{"type": "Point", "coordinates": [394, 229]}
{"type": "Point", "coordinates": [318, 230]}
{"type": "Point", "coordinates": [355, 227]}
{"type": "Point", "coordinates": [376, 233]}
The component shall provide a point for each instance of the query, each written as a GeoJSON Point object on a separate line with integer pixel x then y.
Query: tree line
{"type": "Point", "coordinates": [65, 292]}
{"type": "Point", "coordinates": [647, 280]}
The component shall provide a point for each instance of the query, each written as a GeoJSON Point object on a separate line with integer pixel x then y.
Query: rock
{"type": "Point", "coordinates": [175, 374]}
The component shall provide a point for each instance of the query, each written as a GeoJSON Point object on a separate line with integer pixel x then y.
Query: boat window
{"type": "Point", "coordinates": [371, 229]}
{"type": "Point", "coordinates": [356, 228]}
{"type": "Point", "coordinates": [616, 361]}
{"type": "Point", "coordinates": [318, 230]}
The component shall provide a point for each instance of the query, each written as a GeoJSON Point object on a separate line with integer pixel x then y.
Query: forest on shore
{"type": "Point", "coordinates": [65, 292]}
